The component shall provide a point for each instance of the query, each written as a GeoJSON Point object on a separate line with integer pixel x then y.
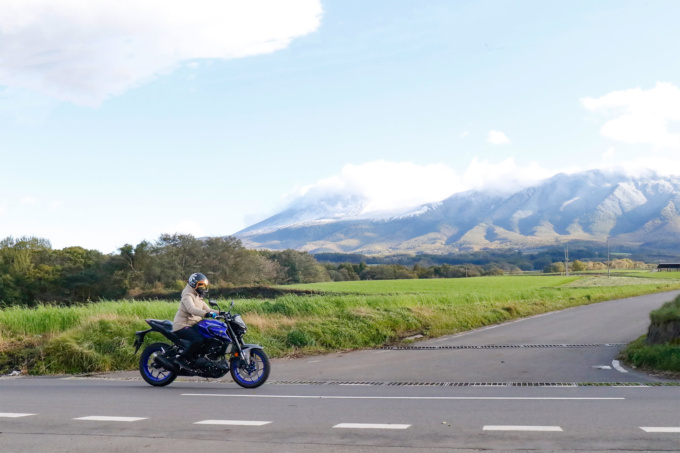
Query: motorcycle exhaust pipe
{"type": "Point", "coordinates": [165, 363]}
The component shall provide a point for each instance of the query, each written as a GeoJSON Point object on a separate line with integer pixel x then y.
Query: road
{"type": "Point", "coordinates": [527, 392]}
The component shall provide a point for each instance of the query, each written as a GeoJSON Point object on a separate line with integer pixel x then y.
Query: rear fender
{"type": "Point", "coordinates": [139, 338]}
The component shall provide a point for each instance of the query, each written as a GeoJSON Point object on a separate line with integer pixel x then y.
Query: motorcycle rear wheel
{"type": "Point", "coordinates": [154, 375]}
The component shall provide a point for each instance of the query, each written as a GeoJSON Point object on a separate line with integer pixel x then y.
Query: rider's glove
{"type": "Point", "coordinates": [211, 314]}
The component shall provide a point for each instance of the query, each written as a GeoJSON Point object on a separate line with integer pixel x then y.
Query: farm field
{"type": "Point", "coordinates": [348, 315]}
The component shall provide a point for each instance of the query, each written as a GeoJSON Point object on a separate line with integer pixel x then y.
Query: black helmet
{"type": "Point", "coordinates": [199, 282]}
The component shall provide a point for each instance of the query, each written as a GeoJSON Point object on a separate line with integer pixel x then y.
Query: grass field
{"type": "Point", "coordinates": [98, 337]}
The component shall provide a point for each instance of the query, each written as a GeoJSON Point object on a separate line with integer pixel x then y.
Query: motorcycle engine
{"type": "Point", "coordinates": [214, 348]}
{"type": "Point", "coordinates": [212, 364]}
{"type": "Point", "coordinates": [211, 368]}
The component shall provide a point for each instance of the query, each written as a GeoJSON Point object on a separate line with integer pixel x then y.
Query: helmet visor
{"type": "Point", "coordinates": [202, 285]}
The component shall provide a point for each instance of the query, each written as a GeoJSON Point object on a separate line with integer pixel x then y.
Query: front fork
{"type": "Point", "coordinates": [235, 350]}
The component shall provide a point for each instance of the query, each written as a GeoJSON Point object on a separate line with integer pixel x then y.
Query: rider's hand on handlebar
{"type": "Point", "coordinates": [211, 314]}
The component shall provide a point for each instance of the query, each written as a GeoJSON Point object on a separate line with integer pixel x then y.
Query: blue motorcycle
{"type": "Point", "coordinates": [222, 351]}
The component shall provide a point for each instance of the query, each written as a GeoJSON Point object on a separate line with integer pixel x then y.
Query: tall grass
{"type": "Point", "coordinates": [98, 337]}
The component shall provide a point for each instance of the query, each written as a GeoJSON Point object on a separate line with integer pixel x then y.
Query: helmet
{"type": "Point", "coordinates": [199, 282]}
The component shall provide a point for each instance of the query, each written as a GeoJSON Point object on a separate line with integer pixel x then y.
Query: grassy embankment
{"type": "Point", "coordinates": [657, 357]}
{"type": "Point", "coordinates": [98, 337]}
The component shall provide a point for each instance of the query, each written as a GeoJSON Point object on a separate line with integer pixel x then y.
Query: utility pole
{"type": "Point", "coordinates": [566, 261]}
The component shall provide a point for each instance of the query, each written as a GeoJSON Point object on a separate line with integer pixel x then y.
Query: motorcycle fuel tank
{"type": "Point", "coordinates": [210, 328]}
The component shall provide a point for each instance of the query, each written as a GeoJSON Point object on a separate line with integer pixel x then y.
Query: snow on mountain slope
{"type": "Point", "coordinates": [590, 205]}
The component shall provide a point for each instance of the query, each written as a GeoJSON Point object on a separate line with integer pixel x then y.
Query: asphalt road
{"type": "Point", "coordinates": [359, 401]}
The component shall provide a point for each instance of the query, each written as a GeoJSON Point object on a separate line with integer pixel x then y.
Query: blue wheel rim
{"type": "Point", "coordinates": [257, 369]}
{"type": "Point", "coordinates": [153, 373]}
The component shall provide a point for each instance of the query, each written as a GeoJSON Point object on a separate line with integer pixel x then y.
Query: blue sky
{"type": "Point", "coordinates": [119, 122]}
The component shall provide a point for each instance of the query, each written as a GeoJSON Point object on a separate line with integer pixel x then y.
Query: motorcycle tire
{"type": "Point", "coordinates": [253, 376]}
{"type": "Point", "coordinates": [157, 377]}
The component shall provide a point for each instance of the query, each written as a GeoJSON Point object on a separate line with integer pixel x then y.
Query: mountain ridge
{"type": "Point", "coordinates": [586, 206]}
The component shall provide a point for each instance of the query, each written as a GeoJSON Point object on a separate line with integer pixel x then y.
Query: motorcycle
{"type": "Point", "coordinates": [222, 351]}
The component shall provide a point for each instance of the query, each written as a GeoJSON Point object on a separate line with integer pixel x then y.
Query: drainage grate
{"type": "Point", "coordinates": [482, 384]}
{"type": "Point", "coordinates": [504, 346]}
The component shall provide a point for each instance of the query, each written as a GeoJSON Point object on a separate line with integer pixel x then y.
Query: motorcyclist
{"type": "Point", "coordinates": [191, 310]}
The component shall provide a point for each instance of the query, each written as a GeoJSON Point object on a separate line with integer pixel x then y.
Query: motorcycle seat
{"type": "Point", "coordinates": [162, 324]}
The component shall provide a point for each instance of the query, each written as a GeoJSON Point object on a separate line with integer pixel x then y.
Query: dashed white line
{"type": "Point", "coordinates": [602, 367]}
{"type": "Point", "coordinates": [617, 366]}
{"type": "Point", "coordinates": [660, 429]}
{"type": "Point", "coordinates": [101, 418]}
{"type": "Point", "coordinates": [314, 361]}
{"type": "Point", "coordinates": [521, 428]}
{"type": "Point", "coordinates": [370, 426]}
{"type": "Point", "coordinates": [13, 415]}
{"type": "Point", "coordinates": [233, 422]}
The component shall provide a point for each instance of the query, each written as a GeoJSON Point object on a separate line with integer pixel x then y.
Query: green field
{"type": "Point", "coordinates": [98, 336]}
{"type": "Point", "coordinates": [451, 286]}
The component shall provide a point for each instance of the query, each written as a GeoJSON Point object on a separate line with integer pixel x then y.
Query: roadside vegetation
{"type": "Point", "coordinates": [658, 355]}
{"type": "Point", "coordinates": [95, 337]}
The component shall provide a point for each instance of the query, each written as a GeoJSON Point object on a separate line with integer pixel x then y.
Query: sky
{"type": "Point", "coordinates": [121, 120]}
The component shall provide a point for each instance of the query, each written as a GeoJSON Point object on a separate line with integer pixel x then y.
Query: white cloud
{"type": "Point", "coordinates": [640, 116]}
{"type": "Point", "coordinates": [87, 51]}
{"type": "Point", "coordinates": [497, 138]}
{"type": "Point", "coordinates": [392, 186]}
{"type": "Point", "coordinates": [55, 205]}
{"type": "Point", "coordinates": [640, 167]}
{"type": "Point", "coordinates": [464, 134]}
{"type": "Point", "coordinates": [187, 227]}
{"type": "Point", "coordinates": [609, 154]}
{"type": "Point", "coordinates": [398, 186]}
{"type": "Point", "coordinates": [384, 186]}
{"type": "Point", "coordinates": [505, 176]}
{"type": "Point", "coordinates": [29, 200]}
{"type": "Point", "coordinates": [3, 209]}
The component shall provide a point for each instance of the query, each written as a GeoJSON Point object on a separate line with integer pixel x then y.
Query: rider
{"type": "Point", "coordinates": [191, 310]}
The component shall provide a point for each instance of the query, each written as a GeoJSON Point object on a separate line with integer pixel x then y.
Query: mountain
{"type": "Point", "coordinates": [587, 206]}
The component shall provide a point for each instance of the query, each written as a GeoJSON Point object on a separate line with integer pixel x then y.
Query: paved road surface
{"type": "Point", "coordinates": [55, 414]}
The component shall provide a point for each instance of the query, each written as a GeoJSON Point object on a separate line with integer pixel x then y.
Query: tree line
{"type": "Point", "coordinates": [32, 272]}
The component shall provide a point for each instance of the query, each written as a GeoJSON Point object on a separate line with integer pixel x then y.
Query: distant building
{"type": "Point", "coordinates": [668, 267]}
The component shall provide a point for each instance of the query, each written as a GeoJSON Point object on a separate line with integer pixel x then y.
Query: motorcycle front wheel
{"type": "Point", "coordinates": [151, 372]}
{"type": "Point", "coordinates": [253, 375]}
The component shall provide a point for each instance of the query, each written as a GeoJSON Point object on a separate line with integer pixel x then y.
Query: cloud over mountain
{"type": "Point", "coordinates": [585, 206]}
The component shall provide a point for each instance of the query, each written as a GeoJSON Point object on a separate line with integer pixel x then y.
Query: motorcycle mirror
{"type": "Point", "coordinates": [213, 303]}
{"type": "Point", "coordinates": [232, 305]}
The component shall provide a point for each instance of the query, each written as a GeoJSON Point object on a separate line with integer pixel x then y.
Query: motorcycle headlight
{"type": "Point", "coordinates": [239, 322]}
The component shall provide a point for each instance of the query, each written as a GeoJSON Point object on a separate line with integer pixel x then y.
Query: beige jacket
{"type": "Point", "coordinates": [191, 309]}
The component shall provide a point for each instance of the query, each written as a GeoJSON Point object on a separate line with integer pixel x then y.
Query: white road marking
{"type": "Point", "coordinates": [660, 429]}
{"type": "Point", "coordinates": [314, 361]}
{"type": "Point", "coordinates": [370, 426]}
{"type": "Point", "coordinates": [521, 428]}
{"type": "Point", "coordinates": [232, 422]}
{"type": "Point", "coordinates": [602, 367]}
{"type": "Point", "coordinates": [13, 415]}
{"type": "Point", "coordinates": [101, 418]}
{"type": "Point", "coordinates": [530, 398]}
{"type": "Point", "coordinates": [617, 366]}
